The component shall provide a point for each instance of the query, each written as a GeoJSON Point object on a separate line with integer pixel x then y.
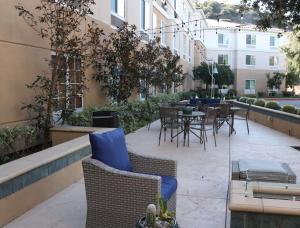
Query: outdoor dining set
{"type": "Point", "coordinates": [197, 118]}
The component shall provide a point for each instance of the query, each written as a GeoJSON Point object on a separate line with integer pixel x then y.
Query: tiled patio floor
{"type": "Point", "coordinates": [202, 176]}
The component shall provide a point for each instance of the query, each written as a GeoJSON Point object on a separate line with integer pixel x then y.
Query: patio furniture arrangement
{"type": "Point", "coordinates": [261, 170]}
{"type": "Point", "coordinates": [224, 116]}
{"type": "Point", "coordinates": [245, 113]}
{"type": "Point", "coordinates": [188, 120]}
{"type": "Point", "coordinates": [169, 119]}
{"type": "Point", "coordinates": [120, 184]}
{"type": "Point", "coordinates": [208, 122]}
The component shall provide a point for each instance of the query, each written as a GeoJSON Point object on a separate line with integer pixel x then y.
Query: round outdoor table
{"type": "Point", "coordinates": [187, 119]}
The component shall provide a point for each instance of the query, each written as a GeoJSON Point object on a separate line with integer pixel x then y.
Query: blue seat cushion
{"type": "Point", "coordinates": [168, 186]}
{"type": "Point", "coordinates": [110, 148]}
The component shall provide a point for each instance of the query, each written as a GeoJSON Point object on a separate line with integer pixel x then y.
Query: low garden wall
{"type": "Point", "coordinates": [28, 181]}
{"type": "Point", "coordinates": [281, 121]}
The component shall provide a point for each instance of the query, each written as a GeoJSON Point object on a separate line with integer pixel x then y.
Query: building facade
{"type": "Point", "coordinates": [250, 53]}
{"type": "Point", "coordinates": [179, 24]}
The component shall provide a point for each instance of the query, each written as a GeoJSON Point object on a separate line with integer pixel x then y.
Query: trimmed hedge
{"type": "Point", "coordinates": [260, 102]}
{"type": "Point", "coordinates": [243, 99]}
{"type": "Point", "coordinates": [273, 105]}
{"type": "Point", "coordinates": [251, 100]}
{"type": "Point", "coordinates": [132, 115]}
{"type": "Point", "coordinates": [289, 108]}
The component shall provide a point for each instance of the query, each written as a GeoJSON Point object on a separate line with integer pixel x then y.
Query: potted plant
{"type": "Point", "coordinates": [164, 219]}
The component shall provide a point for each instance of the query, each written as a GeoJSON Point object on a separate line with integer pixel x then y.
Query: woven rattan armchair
{"type": "Point", "coordinates": [117, 198]}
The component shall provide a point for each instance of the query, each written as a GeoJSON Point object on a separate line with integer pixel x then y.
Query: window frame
{"type": "Point", "coordinates": [223, 62]}
{"type": "Point", "coordinates": [163, 33]}
{"type": "Point", "coordinates": [251, 44]}
{"type": "Point", "coordinates": [275, 61]}
{"type": "Point", "coordinates": [184, 46]}
{"type": "Point", "coordinates": [68, 82]}
{"type": "Point", "coordinates": [250, 60]}
{"type": "Point", "coordinates": [114, 10]}
{"type": "Point", "coordinates": [250, 90]}
{"type": "Point", "coordinates": [225, 39]}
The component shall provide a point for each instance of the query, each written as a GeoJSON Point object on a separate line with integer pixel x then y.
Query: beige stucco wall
{"type": "Point", "coordinates": [259, 75]}
{"type": "Point", "coordinates": [23, 56]}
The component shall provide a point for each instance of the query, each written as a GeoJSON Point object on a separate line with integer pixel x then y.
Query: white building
{"type": "Point", "coordinates": [250, 53]}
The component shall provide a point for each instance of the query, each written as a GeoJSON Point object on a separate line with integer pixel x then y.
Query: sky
{"type": "Point", "coordinates": [234, 2]}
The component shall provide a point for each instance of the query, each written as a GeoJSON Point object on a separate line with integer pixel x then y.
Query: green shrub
{"type": "Point", "coordinates": [260, 102]}
{"type": "Point", "coordinates": [251, 100]}
{"type": "Point", "coordinates": [260, 94]}
{"type": "Point", "coordinates": [186, 95]}
{"type": "Point", "coordinates": [243, 99]}
{"type": "Point", "coordinates": [287, 93]}
{"type": "Point", "coordinates": [273, 105]}
{"type": "Point", "coordinates": [132, 115]}
{"type": "Point", "coordinates": [9, 135]}
{"type": "Point", "coordinates": [289, 108]}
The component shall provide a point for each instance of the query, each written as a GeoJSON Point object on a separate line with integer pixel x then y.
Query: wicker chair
{"type": "Point", "coordinates": [117, 198]}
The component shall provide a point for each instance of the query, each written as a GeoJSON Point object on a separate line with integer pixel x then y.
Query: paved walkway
{"type": "Point", "coordinates": [202, 176]}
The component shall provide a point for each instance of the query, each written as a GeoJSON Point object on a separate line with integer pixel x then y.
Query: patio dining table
{"type": "Point", "coordinates": [187, 119]}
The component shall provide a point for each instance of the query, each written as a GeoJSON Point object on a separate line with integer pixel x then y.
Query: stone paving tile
{"type": "Point", "coordinates": [202, 176]}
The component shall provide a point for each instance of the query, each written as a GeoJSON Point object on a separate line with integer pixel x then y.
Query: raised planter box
{"type": "Point", "coordinates": [30, 180]}
{"type": "Point", "coordinates": [281, 121]}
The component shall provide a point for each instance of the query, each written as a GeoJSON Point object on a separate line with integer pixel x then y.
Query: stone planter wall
{"type": "Point", "coordinates": [278, 120]}
{"type": "Point", "coordinates": [30, 180]}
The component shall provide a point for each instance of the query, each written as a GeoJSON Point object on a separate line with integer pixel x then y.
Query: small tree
{"type": "Point", "coordinates": [225, 75]}
{"type": "Point", "coordinates": [149, 65]}
{"type": "Point", "coordinates": [60, 23]}
{"type": "Point", "coordinates": [291, 79]}
{"type": "Point", "coordinates": [202, 73]}
{"type": "Point", "coordinates": [117, 67]}
{"type": "Point", "coordinates": [275, 81]}
{"type": "Point", "coordinates": [171, 69]}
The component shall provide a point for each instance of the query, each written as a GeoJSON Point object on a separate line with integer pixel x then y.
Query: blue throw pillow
{"type": "Point", "coordinates": [110, 148]}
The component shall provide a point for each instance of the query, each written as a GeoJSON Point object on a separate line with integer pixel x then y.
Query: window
{"type": "Point", "coordinates": [69, 88]}
{"type": "Point", "coordinates": [223, 39]}
{"type": "Point", "coordinates": [154, 24]}
{"type": "Point", "coordinates": [175, 39]}
{"type": "Point", "coordinates": [163, 33]}
{"type": "Point", "coordinates": [273, 61]}
{"type": "Point", "coordinates": [190, 50]}
{"type": "Point", "coordinates": [250, 60]}
{"type": "Point", "coordinates": [250, 39]}
{"type": "Point", "coordinates": [145, 15]}
{"type": "Point", "coordinates": [184, 46]}
{"type": "Point", "coordinates": [118, 7]}
{"type": "Point", "coordinates": [223, 59]}
{"type": "Point", "coordinates": [250, 84]}
{"type": "Point", "coordinates": [272, 41]}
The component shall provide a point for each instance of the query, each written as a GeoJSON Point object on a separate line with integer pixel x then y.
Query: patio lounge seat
{"type": "Point", "coordinates": [260, 170]}
{"type": "Point", "coordinates": [120, 184]}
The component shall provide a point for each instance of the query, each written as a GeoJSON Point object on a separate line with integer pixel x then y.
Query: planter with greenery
{"type": "Point", "coordinates": [290, 109]}
{"type": "Point", "coordinates": [273, 105]}
{"type": "Point", "coordinates": [164, 219]}
{"type": "Point", "coordinates": [260, 102]}
{"type": "Point", "coordinates": [132, 115]}
{"type": "Point", "coordinates": [26, 137]}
